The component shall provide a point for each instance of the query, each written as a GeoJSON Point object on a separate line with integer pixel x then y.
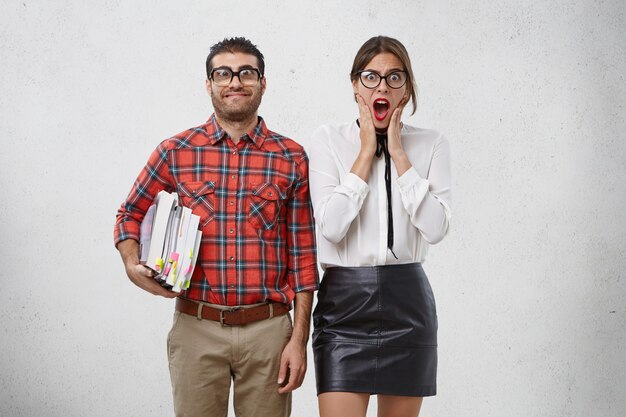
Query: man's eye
{"type": "Point", "coordinates": [222, 73]}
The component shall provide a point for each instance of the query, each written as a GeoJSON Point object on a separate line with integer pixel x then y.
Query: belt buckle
{"type": "Point", "coordinates": [229, 310]}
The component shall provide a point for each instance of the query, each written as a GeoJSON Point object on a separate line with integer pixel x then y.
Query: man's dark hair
{"type": "Point", "coordinates": [232, 45]}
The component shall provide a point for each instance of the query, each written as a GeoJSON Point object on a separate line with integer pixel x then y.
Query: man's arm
{"type": "Point", "coordinates": [302, 277]}
{"type": "Point", "coordinates": [293, 359]}
{"type": "Point", "coordinates": [140, 275]}
{"type": "Point", "coordinates": [153, 178]}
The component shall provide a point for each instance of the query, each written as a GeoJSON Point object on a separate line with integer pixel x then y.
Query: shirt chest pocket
{"type": "Point", "coordinates": [199, 196]}
{"type": "Point", "coordinates": [265, 204]}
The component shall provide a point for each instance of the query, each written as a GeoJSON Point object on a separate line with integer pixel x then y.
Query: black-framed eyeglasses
{"type": "Point", "coordinates": [222, 76]}
{"type": "Point", "coordinates": [372, 79]}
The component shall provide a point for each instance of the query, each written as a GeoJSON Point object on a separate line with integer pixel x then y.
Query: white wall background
{"type": "Point", "coordinates": [530, 282]}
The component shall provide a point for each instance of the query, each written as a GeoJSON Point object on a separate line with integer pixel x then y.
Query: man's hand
{"type": "Point", "coordinates": [140, 275]}
{"type": "Point", "coordinates": [293, 359]}
{"type": "Point", "coordinates": [292, 367]}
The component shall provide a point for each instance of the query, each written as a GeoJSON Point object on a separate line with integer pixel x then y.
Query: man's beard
{"type": "Point", "coordinates": [236, 114]}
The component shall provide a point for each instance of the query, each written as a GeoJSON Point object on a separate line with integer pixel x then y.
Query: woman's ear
{"type": "Point", "coordinates": [355, 90]}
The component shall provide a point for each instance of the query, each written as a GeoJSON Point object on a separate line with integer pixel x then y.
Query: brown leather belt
{"type": "Point", "coordinates": [237, 316]}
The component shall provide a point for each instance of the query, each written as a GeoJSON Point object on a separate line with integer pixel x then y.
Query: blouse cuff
{"type": "Point", "coordinates": [354, 188]}
{"type": "Point", "coordinates": [412, 180]}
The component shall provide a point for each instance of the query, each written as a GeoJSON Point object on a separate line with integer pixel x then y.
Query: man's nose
{"type": "Point", "coordinates": [235, 82]}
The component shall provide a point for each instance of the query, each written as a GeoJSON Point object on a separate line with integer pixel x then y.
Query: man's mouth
{"type": "Point", "coordinates": [234, 95]}
{"type": "Point", "coordinates": [381, 108]}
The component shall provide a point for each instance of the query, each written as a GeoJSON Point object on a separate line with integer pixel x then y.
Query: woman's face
{"type": "Point", "coordinates": [382, 100]}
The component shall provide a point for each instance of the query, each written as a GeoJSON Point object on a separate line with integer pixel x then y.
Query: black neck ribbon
{"type": "Point", "coordinates": [382, 149]}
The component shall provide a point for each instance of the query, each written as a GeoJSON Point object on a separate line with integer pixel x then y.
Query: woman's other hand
{"type": "Point", "coordinates": [394, 143]}
{"type": "Point", "coordinates": [394, 140]}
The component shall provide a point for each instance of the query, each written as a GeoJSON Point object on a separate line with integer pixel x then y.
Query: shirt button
{"type": "Point", "coordinates": [231, 203]}
{"type": "Point", "coordinates": [232, 258]}
{"type": "Point", "coordinates": [231, 231]}
{"type": "Point", "coordinates": [232, 285]}
{"type": "Point", "coordinates": [270, 193]}
{"type": "Point", "coordinates": [234, 152]}
{"type": "Point", "coordinates": [233, 176]}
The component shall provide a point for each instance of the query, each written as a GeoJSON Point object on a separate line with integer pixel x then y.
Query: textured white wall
{"type": "Point", "coordinates": [530, 283]}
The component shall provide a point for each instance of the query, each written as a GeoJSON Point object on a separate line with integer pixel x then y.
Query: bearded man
{"type": "Point", "coordinates": [257, 255]}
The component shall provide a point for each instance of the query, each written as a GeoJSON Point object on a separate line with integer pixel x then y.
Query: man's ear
{"type": "Point", "coordinates": [263, 85]}
{"type": "Point", "coordinates": [208, 87]}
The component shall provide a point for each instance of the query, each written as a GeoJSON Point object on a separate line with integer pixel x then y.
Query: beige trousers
{"type": "Point", "coordinates": [204, 357]}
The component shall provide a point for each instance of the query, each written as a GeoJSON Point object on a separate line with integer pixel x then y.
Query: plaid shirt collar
{"type": "Point", "coordinates": [215, 132]}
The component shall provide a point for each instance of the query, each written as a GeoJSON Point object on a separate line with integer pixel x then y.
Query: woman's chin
{"type": "Point", "coordinates": [381, 125]}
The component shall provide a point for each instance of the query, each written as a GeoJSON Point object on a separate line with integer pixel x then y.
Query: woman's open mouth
{"type": "Point", "coordinates": [381, 108]}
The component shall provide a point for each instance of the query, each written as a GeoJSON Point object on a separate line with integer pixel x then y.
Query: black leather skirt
{"type": "Point", "coordinates": [376, 331]}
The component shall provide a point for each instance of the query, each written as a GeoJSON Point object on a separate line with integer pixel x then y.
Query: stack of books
{"type": "Point", "coordinates": [169, 241]}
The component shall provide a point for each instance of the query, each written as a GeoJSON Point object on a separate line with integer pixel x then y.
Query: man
{"type": "Point", "coordinates": [250, 188]}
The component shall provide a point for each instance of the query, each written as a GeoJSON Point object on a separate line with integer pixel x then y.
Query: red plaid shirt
{"type": "Point", "coordinates": [258, 238]}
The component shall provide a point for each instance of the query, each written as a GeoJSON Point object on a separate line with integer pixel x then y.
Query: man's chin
{"type": "Point", "coordinates": [235, 115]}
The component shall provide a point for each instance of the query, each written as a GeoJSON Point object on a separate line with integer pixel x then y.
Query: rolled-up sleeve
{"type": "Point", "coordinates": [302, 274]}
{"type": "Point", "coordinates": [154, 177]}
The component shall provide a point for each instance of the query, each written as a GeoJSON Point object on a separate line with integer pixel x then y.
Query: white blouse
{"type": "Point", "coordinates": [351, 215]}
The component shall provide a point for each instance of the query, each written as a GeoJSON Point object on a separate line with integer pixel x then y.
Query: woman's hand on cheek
{"type": "Point", "coordinates": [367, 130]}
{"type": "Point", "coordinates": [363, 163]}
{"type": "Point", "coordinates": [394, 143]}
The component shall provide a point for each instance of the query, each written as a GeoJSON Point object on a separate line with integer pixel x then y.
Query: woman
{"type": "Point", "coordinates": [381, 193]}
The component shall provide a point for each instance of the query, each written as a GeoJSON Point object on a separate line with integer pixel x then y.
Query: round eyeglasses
{"type": "Point", "coordinates": [224, 75]}
{"type": "Point", "coordinates": [372, 79]}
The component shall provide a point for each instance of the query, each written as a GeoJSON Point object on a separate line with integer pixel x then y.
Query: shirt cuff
{"type": "Point", "coordinates": [125, 230]}
{"type": "Point", "coordinates": [354, 187]}
{"type": "Point", "coordinates": [411, 179]}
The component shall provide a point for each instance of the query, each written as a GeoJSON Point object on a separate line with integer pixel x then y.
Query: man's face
{"type": "Point", "coordinates": [235, 102]}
